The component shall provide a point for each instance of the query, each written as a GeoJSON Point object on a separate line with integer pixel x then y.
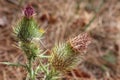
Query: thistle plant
{"type": "Point", "coordinates": [63, 56]}
{"type": "Point", "coordinates": [26, 32]}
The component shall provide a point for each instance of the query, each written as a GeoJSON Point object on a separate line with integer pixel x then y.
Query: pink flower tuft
{"type": "Point", "coordinates": [29, 11]}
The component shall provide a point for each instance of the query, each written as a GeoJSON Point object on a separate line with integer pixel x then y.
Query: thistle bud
{"type": "Point", "coordinates": [80, 43]}
{"type": "Point", "coordinates": [27, 28]}
{"type": "Point", "coordinates": [29, 11]}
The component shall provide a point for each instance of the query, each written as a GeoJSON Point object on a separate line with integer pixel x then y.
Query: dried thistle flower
{"type": "Point", "coordinates": [64, 56]}
{"type": "Point", "coordinates": [80, 43]}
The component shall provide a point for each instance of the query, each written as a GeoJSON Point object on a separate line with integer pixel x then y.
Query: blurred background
{"type": "Point", "coordinates": [64, 19]}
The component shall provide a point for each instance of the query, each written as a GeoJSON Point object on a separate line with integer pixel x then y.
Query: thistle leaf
{"type": "Point", "coordinates": [12, 64]}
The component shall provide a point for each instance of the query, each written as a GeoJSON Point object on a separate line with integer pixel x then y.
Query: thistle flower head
{"type": "Point", "coordinates": [27, 29]}
{"type": "Point", "coordinates": [64, 56]}
{"type": "Point", "coordinates": [80, 43]}
{"type": "Point", "coordinates": [29, 11]}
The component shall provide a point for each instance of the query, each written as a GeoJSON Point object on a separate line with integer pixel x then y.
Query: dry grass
{"type": "Point", "coordinates": [63, 19]}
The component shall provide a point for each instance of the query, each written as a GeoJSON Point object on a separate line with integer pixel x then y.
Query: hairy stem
{"type": "Point", "coordinates": [31, 71]}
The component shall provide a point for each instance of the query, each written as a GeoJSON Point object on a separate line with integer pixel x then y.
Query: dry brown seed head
{"type": "Point", "coordinates": [80, 43]}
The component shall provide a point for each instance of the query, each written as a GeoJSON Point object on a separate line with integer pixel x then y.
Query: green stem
{"type": "Point", "coordinates": [50, 76]}
{"type": "Point", "coordinates": [42, 66]}
{"type": "Point", "coordinates": [31, 71]}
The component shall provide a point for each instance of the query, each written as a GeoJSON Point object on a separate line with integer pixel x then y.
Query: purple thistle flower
{"type": "Point", "coordinates": [29, 11]}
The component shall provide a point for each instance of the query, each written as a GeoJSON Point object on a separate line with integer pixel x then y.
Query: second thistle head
{"type": "Point", "coordinates": [65, 56]}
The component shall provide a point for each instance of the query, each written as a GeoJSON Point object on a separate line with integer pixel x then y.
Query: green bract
{"type": "Point", "coordinates": [27, 29]}
{"type": "Point", "coordinates": [30, 49]}
{"type": "Point", "coordinates": [63, 57]}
